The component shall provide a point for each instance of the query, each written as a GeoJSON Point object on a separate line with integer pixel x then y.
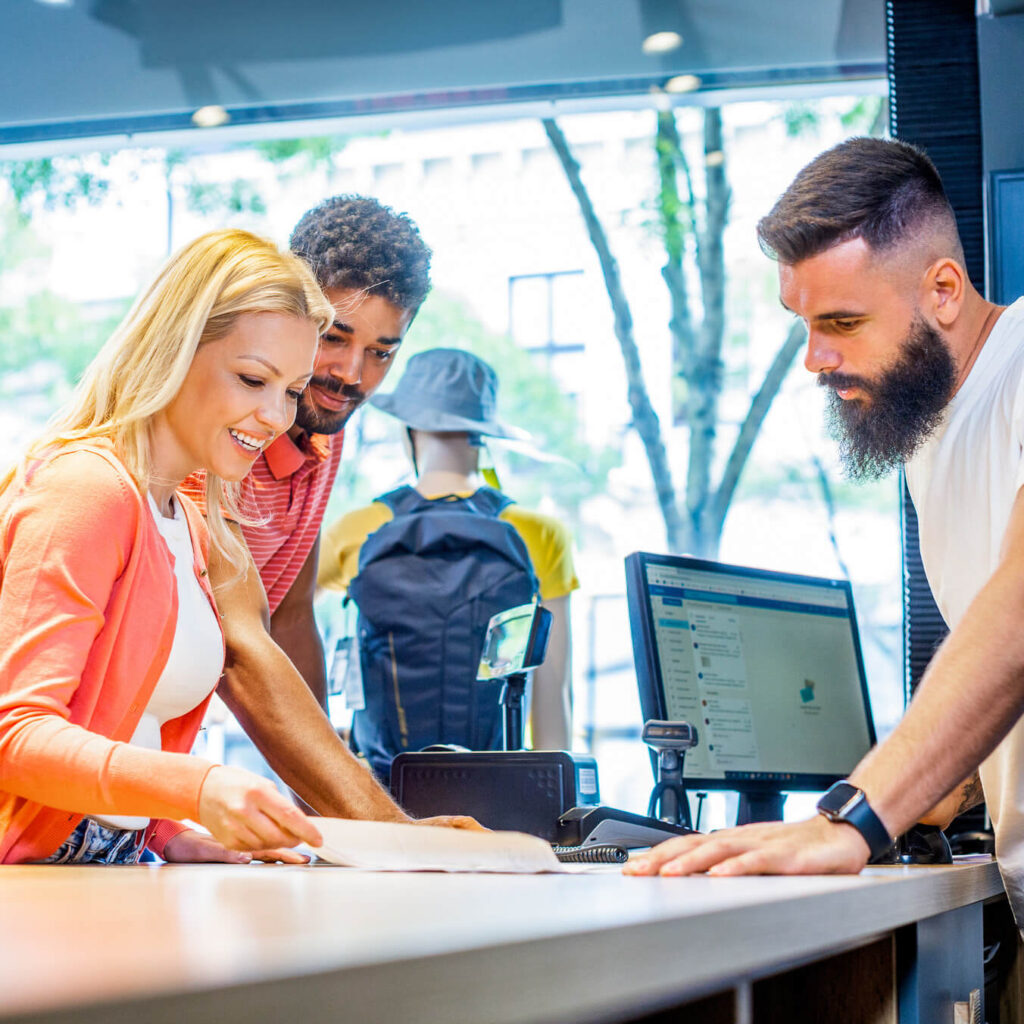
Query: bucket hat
{"type": "Point", "coordinates": [448, 389]}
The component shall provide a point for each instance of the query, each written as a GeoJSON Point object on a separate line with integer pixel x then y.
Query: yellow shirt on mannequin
{"type": "Point", "coordinates": [546, 540]}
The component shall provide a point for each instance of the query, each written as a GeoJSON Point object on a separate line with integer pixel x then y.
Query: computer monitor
{"type": "Point", "coordinates": [766, 665]}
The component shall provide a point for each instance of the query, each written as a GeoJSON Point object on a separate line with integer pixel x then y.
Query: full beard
{"type": "Point", "coordinates": [905, 404]}
{"type": "Point", "coordinates": [315, 420]}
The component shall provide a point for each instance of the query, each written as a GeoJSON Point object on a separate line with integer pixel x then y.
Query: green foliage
{"type": "Point", "coordinates": [311, 153]}
{"type": "Point", "coordinates": [44, 328]}
{"type": "Point", "coordinates": [65, 182]}
{"type": "Point", "coordinates": [53, 182]}
{"type": "Point", "coordinates": [801, 119]}
{"type": "Point", "coordinates": [21, 244]}
{"type": "Point", "coordinates": [47, 329]}
{"type": "Point", "coordinates": [170, 158]}
{"type": "Point", "coordinates": [236, 197]}
{"type": "Point", "coordinates": [675, 215]}
{"type": "Point", "coordinates": [867, 116]}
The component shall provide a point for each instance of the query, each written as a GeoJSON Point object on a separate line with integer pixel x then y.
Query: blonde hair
{"type": "Point", "coordinates": [197, 297]}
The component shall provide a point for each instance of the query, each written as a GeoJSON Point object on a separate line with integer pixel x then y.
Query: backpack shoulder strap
{"type": "Point", "coordinates": [485, 501]}
{"type": "Point", "coordinates": [401, 500]}
{"type": "Point", "coordinates": [489, 502]}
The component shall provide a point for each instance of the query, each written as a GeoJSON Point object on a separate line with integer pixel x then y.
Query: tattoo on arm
{"type": "Point", "coordinates": [970, 794]}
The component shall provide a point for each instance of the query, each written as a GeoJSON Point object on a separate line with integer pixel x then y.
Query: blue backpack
{"type": "Point", "coordinates": [428, 583]}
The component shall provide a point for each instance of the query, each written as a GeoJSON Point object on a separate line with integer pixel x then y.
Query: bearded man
{"type": "Point", "coordinates": [924, 372]}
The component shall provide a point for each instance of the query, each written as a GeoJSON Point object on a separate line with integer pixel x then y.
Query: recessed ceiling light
{"type": "Point", "coordinates": [662, 42]}
{"type": "Point", "coordinates": [210, 117]}
{"type": "Point", "coordinates": [682, 83]}
{"type": "Point", "coordinates": [55, 3]}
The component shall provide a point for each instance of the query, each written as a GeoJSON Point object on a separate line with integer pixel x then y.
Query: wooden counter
{"type": "Point", "coordinates": [307, 944]}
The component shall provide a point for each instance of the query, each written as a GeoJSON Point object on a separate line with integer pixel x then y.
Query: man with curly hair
{"type": "Point", "coordinates": [374, 268]}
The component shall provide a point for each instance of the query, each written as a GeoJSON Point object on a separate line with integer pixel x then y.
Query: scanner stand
{"type": "Point", "coordinates": [513, 690]}
{"type": "Point", "coordinates": [669, 803]}
{"type": "Point", "coordinates": [668, 798]}
{"type": "Point", "coordinates": [608, 826]}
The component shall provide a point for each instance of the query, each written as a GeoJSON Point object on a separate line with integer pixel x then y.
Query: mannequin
{"type": "Point", "coordinates": [447, 463]}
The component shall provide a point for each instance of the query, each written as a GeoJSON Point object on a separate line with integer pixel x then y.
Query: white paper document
{"type": "Point", "coordinates": [386, 846]}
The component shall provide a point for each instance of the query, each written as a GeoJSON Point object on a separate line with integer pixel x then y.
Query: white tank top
{"type": "Point", "coordinates": [196, 660]}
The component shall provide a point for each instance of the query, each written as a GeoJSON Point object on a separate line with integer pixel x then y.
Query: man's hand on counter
{"type": "Point", "coordinates": [813, 847]}
{"type": "Point", "coordinates": [452, 821]}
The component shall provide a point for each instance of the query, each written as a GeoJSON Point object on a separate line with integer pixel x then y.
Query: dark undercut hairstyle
{"type": "Point", "coordinates": [357, 242]}
{"type": "Point", "coordinates": [883, 191]}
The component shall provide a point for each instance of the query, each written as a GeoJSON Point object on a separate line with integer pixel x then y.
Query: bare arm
{"type": "Point", "coordinates": [279, 713]}
{"type": "Point", "coordinates": [293, 628]}
{"type": "Point", "coordinates": [970, 697]}
{"type": "Point", "coordinates": [967, 795]}
{"type": "Point", "coordinates": [550, 705]}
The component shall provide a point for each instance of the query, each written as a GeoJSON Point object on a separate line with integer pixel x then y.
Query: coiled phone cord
{"type": "Point", "coordinates": [597, 854]}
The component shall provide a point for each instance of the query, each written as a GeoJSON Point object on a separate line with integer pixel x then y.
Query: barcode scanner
{"type": "Point", "coordinates": [669, 741]}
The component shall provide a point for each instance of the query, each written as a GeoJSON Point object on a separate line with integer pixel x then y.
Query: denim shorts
{"type": "Point", "coordinates": [93, 843]}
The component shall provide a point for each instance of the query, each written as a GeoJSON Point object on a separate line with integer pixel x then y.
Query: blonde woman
{"type": "Point", "coordinates": [110, 644]}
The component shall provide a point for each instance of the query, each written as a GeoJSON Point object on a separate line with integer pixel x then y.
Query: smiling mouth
{"type": "Point", "coordinates": [247, 442]}
{"type": "Point", "coordinates": [331, 399]}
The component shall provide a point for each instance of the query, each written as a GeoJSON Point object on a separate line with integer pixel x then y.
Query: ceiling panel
{"type": "Point", "coordinates": [91, 67]}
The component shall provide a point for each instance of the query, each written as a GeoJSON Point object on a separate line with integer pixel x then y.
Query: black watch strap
{"type": "Point", "coordinates": [845, 802]}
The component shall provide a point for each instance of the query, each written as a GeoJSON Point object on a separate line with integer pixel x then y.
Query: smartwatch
{"type": "Point", "coordinates": [845, 802]}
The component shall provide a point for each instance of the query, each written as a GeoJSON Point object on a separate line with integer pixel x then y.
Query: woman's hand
{"type": "Point", "coordinates": [246, 813]}
{"type": "Point", "coordinates": [192, 847]}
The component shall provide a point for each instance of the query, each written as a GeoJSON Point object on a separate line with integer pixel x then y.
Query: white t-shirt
{"type": "Point", "coordinates": [196, 659]}
{"type": "Point", "coordinates": [964, 482]}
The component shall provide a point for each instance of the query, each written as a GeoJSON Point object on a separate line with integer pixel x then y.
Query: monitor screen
{"type": "Point", "coordinates": [766, 665]}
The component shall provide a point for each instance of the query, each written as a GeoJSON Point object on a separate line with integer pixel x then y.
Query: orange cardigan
{"type": "Point", "coordinates": [88, 608]}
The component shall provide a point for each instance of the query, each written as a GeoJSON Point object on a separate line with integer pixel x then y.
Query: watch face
{"type": "Point", "coordinates": [839, 799]}
{"type": "Point", "coordinates": [844, 802]}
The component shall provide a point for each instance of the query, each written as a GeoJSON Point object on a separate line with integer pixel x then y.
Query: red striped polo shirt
{"type": "Point", "coordinates": [286, 492]}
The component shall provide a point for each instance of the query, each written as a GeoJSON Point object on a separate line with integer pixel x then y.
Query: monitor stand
{"type": "Point", "coordinates": [764, 806]}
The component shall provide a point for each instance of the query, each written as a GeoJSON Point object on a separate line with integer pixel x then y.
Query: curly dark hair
{"type": "Point", "coordinates": [357, 242]}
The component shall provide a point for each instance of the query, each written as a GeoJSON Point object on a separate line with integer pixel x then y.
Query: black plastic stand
{"type": "Point", "coordinates": [512, 695]}
{"type": "Point", "coordinates": [668, 803]}
{"type": "Point", "coordinates": [766, 806]}
{"type": "Point", "coordinates": [668, 798]}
